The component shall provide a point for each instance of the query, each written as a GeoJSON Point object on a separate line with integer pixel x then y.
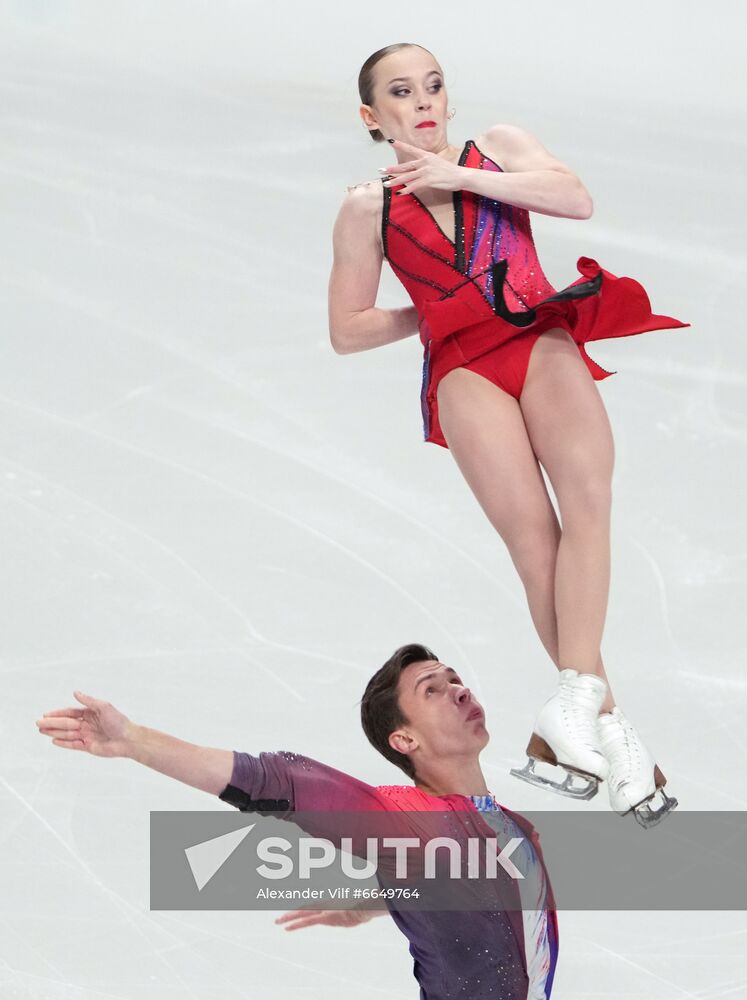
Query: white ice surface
{"type": "Point", "coordinates": [216, 523]}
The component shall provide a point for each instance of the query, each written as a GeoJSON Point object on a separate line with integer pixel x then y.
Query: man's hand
{"type": "Point", "coordinates": [99, 728]}
{"type": "Point", "coordinates": [295, 919]}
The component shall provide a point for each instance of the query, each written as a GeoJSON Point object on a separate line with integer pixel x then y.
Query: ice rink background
{"type": "Point", "coordinates": [216, 523]}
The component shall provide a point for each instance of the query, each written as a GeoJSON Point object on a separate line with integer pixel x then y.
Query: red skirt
{"type": "Point", "coordinates": [456, 331]}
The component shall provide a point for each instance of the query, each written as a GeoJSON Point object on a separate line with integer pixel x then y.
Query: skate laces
{"type": "Point", "coordinates": [579, 703]}
{"type": "Point", "coordinates": [622, 747]}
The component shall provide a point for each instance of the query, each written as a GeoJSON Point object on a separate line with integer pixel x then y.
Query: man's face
{"type": "Point", "coordinates": [445, 720]}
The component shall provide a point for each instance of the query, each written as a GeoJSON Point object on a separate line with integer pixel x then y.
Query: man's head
{"type": "Point", "coordinates": [416, 708]}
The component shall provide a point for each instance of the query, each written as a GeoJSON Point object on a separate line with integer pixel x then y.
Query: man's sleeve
{"type": "Point", "coordinates": [289, 782]}
{"type": "Point", "coordinates": [321, 800]}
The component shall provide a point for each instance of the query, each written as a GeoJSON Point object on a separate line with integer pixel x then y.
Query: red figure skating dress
{"type": "Point", "coordinates": [483, 301]}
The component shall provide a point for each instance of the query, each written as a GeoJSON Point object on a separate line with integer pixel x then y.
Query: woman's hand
{"type": "Point", "coordinates": [425, 170]}
{"type": "Point", "coordinates": [99, 728]}
{"type": "Point", "coordinates": [295, 919]}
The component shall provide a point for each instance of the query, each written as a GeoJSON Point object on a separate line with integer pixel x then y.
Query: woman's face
{"type": "Point", "coordinates": [408, 91]}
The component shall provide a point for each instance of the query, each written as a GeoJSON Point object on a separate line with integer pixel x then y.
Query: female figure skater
{"type": "Point", "coordinates": [507, 383]}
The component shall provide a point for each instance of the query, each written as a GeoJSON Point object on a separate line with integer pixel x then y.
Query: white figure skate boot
{"type": "Point", "coordinates": [634, 779]}
{"type": "Point", "coordinates": [565, 735]}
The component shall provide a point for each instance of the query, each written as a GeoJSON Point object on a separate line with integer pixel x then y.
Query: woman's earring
{"type": "Point", "coordinates": [451, 114]}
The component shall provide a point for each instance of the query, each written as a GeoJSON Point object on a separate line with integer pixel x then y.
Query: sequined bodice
{"type": "Point", "coordinates": [432, 266]}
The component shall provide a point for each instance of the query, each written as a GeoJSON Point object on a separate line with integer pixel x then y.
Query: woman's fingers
{"type": "Point", "coordinates": [398, 168]}
{"type": "Point", "coordinates": [406, 146]}
{"type": "Point", "coordinates": [401, 179]}
{"type": "Point", "coordinates": [402, 168]}
{"type": "Point", "coordinates": [73, 713]}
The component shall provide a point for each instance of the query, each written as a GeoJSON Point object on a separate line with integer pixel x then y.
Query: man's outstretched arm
{"type": "Point", "coordinates": [100, 729]}
{"type": "Point", "coordinates": [266, 782]}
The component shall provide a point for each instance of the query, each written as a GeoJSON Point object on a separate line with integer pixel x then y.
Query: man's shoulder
{"type": "Point", "coordinates": [400, 796]}
{"type": "Point", "coordinates": [410, 797]}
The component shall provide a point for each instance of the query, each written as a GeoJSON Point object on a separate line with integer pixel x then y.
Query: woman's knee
{"type": "Point", "coordinates": [585, 498]}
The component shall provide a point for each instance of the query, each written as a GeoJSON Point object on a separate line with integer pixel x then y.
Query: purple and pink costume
{"type": "Point", "coordinates": [476, 955]}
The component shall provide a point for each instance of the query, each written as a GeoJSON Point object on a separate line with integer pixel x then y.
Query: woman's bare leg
{"type": "Point", "coordinates": [485, 430]}
{"type": "Point", "coordinates": [487, 436]}
{"type": "Point", "coordinates": [570, 434]}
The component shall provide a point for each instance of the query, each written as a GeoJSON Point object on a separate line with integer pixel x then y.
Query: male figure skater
{"type": "Point", "coordinates": [416, 712]}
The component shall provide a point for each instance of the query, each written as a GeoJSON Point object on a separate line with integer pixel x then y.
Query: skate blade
{"type": "Point", "coordinates": [586, 790]}
{"type": "Point", "coordinates": [647, 817]}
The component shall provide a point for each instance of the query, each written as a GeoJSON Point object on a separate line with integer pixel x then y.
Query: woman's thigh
{"type": "Point", "coordinates": [485, 431]}
{"type": "Point", "coordinates": [566, 421]}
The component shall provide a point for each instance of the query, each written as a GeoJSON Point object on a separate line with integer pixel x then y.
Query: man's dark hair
{"type": "Point", "coordinates": [380, 711]}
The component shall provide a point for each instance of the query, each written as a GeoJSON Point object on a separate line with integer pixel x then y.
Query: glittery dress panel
{"type": "Point", "coordinates": [483, 299]}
